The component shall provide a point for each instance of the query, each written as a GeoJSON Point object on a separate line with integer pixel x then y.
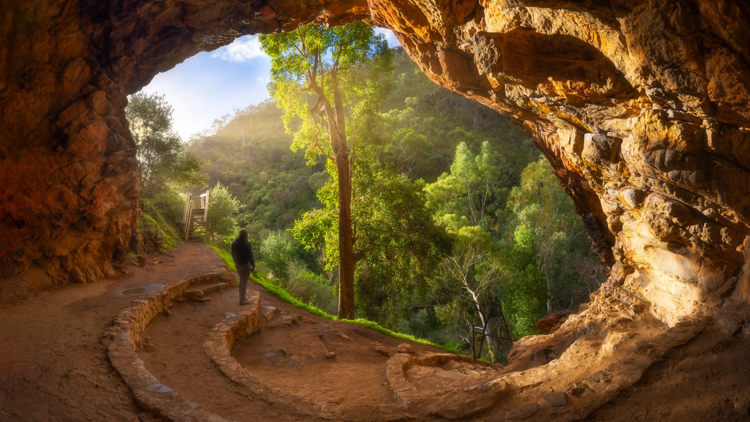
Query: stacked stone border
{"type": "Point", "coordinates": [218, 345]}
{"type": "Point", "coordinates": [125, 337]}
{"type": "Point", "coordinates": [224, 335]}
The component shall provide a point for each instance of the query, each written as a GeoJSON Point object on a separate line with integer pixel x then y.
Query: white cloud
{"type": "Point", "coordinates": [243, 49]}
{"type": "Point", "coordinates": [263, 80]}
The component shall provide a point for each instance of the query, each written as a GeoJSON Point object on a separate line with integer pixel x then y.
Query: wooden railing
{"type": "Point", "coordinates": [195, 213]}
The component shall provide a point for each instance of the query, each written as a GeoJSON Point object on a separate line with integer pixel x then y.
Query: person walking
{"type": "Point", "coordinates": [242, 254]}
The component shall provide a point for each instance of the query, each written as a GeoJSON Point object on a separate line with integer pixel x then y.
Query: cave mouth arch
{"type": "Point", "coordinates": [648, 134]}
{"type": "Point", "coordinates": [651, 143]}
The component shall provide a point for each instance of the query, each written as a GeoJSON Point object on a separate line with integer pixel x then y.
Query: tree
{"type": "Point", "coordinates": [548, 213]}
{"type": "Point", "coordinates": [162, 157]}
{"type": "Point", "coordinates": [345, 70]}
{"type": "Point", "coordinates": [475, 187]}
{"type": "Point", "coordinates": [278, 250]}
{"type": "Point", "coordinates": [400, 244]}
{"type": "Point", "coordinates": [468, 198]}
{"type": "Point", "coordinates": [524, 288]}
{"type": "Point", "coordinates": [222, 207]}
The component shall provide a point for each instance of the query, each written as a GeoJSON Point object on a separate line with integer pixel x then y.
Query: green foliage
{"type": "Point", "coordinates": [526, 290]}
{"type": "Point", "coordinates": [284, 295]}
{"type": "Point", "coordinates": [149, 226]}
{"type": "Point", "coordinates": [169, 203]}
{"type": "Point", "coordinates": [420, 132]}
{"type": "Point", "coordinates": [398, 243]}
{"type": "Point", "coordinates": [346, 70]}
{"type": "Point", "coordinates": [563, 248]}
{"type": "Point", "coordinates": [417, 324]}
{"type": "Point", "coordinates": [445, 119]}
{"type": "Point", "coordinates": [162, 157]}
{"type": "Point", "coordinates": [346, 66]}
{"type": "Point", "coordinates": [474, 190]}
{"type": "Point", "coordinates": [314, 289]}
{"type": "Point", "coordinates": [222, 208]}
{"type": "Point", "coordinates": [167, 207]}
{"type": "Point", "coordinates": [277, 251]}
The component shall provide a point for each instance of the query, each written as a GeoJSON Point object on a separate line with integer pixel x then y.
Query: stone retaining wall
{"type": "Point", "coordinates": [124, 338]}
{"type": "Point", "coordinates": [218, 345]}
{"type": "Point", "coordinates": [223, 336]}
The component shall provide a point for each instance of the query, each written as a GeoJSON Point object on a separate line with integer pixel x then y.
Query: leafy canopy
{"type": "Point", "coordinates": [222, 208]}
{"type": "Point", "coordinates": [162, 157]}
{"type": "Point", "coordinates": [315, 61]}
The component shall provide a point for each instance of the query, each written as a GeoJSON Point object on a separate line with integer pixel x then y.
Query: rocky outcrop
{"type": "Point", "coordinates": [641, 106]}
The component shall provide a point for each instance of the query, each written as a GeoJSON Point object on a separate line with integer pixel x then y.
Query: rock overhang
{"type": "Point", "coordinates": [641, 107]}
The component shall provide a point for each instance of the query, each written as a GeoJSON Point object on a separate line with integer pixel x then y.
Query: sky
{"type": "Point", "coordinates": [212, 84]}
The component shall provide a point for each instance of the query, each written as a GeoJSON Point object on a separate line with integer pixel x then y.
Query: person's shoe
{"type": "Point", "coordinates": [244, 302]}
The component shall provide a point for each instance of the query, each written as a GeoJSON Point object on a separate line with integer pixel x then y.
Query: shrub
{"type": "Point", "coordinates": [314, 289]}
{"type": "Point", "coordinates": [276, 254]}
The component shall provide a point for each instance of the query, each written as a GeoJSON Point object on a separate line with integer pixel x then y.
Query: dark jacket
{"type": "Point", "coordinates": [242, 252]}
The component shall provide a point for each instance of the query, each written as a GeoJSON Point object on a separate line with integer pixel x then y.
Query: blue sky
{"type": "Point", "coordinates": [209, 85]}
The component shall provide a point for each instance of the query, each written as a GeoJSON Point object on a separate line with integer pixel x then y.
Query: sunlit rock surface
{"type": "Point", "coordinates": [641, 106]}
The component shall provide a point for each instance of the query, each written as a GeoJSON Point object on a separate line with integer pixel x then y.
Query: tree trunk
{"type": "Point", "coordinates": [346, 237]}
{"type": "Point", "coordinates": [549, 296]}
{"type": "Point", "coordinates": [347, 260]}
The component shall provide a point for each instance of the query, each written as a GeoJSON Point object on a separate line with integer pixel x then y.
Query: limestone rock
{"type": "Point", "coordinates": [405, 348]}
{"type": "Point", "coordinates": [193, 294]}
{"type": "Point", "coordinates": [287, 320]}
{"type": "Point", "coordinates": [522, 412]}
{"type": "Point", "coordinates": [552, 321]}
{"type": "Point", "coordinates": [307, 320]}
{"type": "Point", "coordinates": [380, 349]}
{"type": "Point", "coordinates": [556, 399]}
{"type": "Point", "coordinates": [641, 108]}
{"type": "Point", "coordinates": [269, 312]}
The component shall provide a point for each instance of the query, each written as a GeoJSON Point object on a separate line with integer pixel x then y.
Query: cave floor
{"type": "Point", "coordinates": [291, 358]}
{"type": "Point", "coordinates": [707, 379]}
{"type": "Point", "coordinates": [53, 365]}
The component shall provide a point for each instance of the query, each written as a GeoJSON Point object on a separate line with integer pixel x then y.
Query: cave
{"type": "Point", "coordinates": [641, 106]}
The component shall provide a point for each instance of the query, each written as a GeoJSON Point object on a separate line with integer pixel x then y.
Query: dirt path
{"type": "Point", "coordinates": [52, 364]}
{"type": "Point", "coordinates": [293, 359]}
{"type": "Point", "coordinates": [54, 367]}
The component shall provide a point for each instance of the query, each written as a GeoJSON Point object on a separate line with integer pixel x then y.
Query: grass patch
{"type": "Point", "coordinates": [167, 228]}
{"type": "Point", "coordinates": [152, 225]}
{"type": "Point", "coordinates": [282, 294]}
{"type": "Point", "coordinates": [375, 326]}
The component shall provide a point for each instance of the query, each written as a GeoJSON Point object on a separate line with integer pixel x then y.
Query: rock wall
{"type": "Point", "coordinates": [641, 106]}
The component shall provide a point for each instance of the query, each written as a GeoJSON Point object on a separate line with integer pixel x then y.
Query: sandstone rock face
{"type": "Point", "coordinates": [640, 105]}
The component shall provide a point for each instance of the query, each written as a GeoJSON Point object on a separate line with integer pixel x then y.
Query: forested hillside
{"type": "Point", "coordinates": [503, 244]}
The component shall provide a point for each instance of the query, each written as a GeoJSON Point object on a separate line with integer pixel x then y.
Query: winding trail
{"type": "Point", "coordinates": [54, 364]}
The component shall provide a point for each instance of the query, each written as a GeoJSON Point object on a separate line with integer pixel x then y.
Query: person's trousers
{"type": "Point", "coordinates": [244, 271]}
